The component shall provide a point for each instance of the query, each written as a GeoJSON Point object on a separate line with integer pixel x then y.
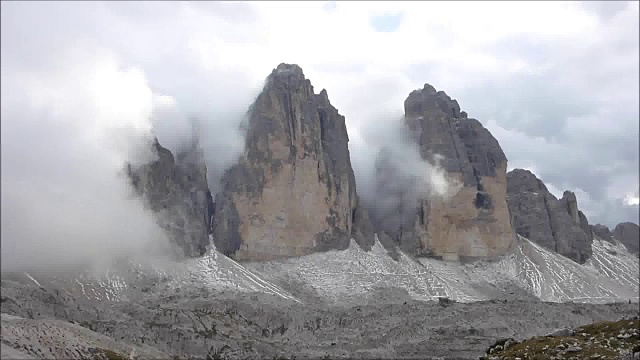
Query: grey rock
{"type": "Point", "coordinates": [602, 232]}
{"type": "Point", "coordinates": [629, 235]}
{"type": "Point", "coordinates": [293, 190]}
{"type": "Point", "coordinates": [200, 320]}
{"type": "Point", "coordinates": [538, 215]}
{"type": "Point", "coordinates": [500, 345]}
{"type": "Point", "coordinates": [444, 301]}
{"type": "Point", "coordinates": [474, 221]}
{"type": "Point", "coordinates": [571, 349]}
{"type": "Point", "coordinates": [176, 190]}
{"type": "Point", "coordinates": [571, 239]}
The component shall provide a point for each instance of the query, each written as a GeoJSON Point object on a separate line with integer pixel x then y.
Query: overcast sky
{"type": "Point", "coordinates": [556, 83]}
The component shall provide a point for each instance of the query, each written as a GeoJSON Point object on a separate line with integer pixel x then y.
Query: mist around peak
{"type": "Point", "coordinates": [79, 105]}
{"type": "Point", "coordinates": [391, 175]}
{"type": "Point", "coordinates": [65, 136]}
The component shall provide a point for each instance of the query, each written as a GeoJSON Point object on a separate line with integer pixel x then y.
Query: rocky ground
{"type": "Point", "coordinates": [197, 322]}
{"type": "Point", "coordinates": [601, 340]}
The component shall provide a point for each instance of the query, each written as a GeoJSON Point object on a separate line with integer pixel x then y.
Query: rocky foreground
{"type": "Point", "coordinates": [203, 323]}
{"type": "Point", "coordinates": [601, 340]}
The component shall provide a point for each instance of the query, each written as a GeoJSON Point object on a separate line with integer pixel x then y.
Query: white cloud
{"type": "Point", "coordinates": [632, 199]}
{"type": "Point", "coordinates": [74, 74]}
{"type": "Point", "coordinates": [64, 200]}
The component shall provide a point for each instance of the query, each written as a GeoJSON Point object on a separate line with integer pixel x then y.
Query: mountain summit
{"type": "Point", "coordinates": [473, 222]}
{"type": "Point", "coordinates": [293, 190]}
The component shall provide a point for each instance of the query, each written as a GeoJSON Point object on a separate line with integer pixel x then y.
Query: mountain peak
{"type": "Point", "coordinates": [293, 191]}
{"type": "Point", "coordinates": [429, 99]}
{"type": "Point", "coordinates": [287, 72]}
{"type": "Point", "coordinates": [556, 224]}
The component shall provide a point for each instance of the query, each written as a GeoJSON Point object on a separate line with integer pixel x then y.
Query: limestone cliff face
{"type": "Point", "coordinates": [556, 224]}
{"type": "Point", "coordinates": [176, 190]}
{"type": "Point", "coordinates": [628, 234]}
{"type": "Point", "coordinates": [293, 190]}
{"type": "Point", "coordinates": [474, 222]}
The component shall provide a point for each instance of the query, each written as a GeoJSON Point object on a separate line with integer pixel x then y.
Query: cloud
{"type": "Point", "coordinates": [65, 136]}
{"type": "Point", "coordinates": [76, 105]}
{"type": "Point", "coordinates": [394, 177]}
{"type": "Point", "coordinates": [561, 98]}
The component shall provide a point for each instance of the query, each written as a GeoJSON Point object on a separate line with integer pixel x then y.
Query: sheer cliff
{"type": "Point", "coordinates": [293, 190]}
{"type": "Point", "coordinates": [554, 223]}
{"type": "Point", "coordinates": [472, 222]}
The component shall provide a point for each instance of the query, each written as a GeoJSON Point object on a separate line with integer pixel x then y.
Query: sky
{"type": "Point", "coordinates": [555, 82]}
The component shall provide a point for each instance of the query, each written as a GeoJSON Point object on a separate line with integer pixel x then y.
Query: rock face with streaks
{"type": "Point", "coordinates": [556, 224]}
{"type": "Point", "coordinates": [471, 222]}
{"type": "Point", "coordinates": [629, 235]}
{"type": "Point", "coordinates": [176, 190]}
{"type": "Point", "coordinates": [293, 190]}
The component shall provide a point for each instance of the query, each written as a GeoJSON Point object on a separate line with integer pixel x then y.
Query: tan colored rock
{"type": "Point", "coordinates": [456, 228]}
{"type": "Point", "coordinates": [293, 190]}
{"type": "Point", "coordinates": [473, 219]}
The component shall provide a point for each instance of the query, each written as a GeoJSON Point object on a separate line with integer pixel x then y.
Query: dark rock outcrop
{"type": "Point", "coordinates": [556, 224]}
{"type": "Point", "coordinates": [602, 232]}
{"type": "Point", "coordinates": [629, 235]}
{"type": "Point", "coordinates": [293, 190]}
{"type": "Point", "coordinates": [175, 189]}
{"type": "Point", "coordinates": [472, 221]}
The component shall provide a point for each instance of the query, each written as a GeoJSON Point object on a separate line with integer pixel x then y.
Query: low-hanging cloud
{"type": "Point", "coordinates": [392, 176]}
{"type": "Point", "coordinates": [204, 63]}
{"type": "Point", "coordinates": [71, 122]}
{"type": "Point", "coordinates": [216, 131]}
{"type": "Point", "coordinates": [65, 136]}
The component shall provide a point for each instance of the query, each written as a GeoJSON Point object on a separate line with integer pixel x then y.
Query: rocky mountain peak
{"type": "Point", "coordinates": [431, 100]}
{"type": "Point", "coordinates": [289, 77]}
{"type": "Point", "coordinates": [628, 234]}
{"type": "Point", "coordinates": [475, 221]}
{"type": "Point", "coordinates": [288, 71]}
{"type": "Point", "coordinates": [175, 189]}
{"type": "Point", "coordinates": [538, 215]}
{"type": "Point", "coordinates": [603, 232]}
{"type": "Point", "coordinates": [523, 180]}
{"type": "Point", "coordinates": [293, 190]}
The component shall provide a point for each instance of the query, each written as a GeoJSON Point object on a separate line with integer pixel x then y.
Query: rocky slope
{"type": "Point", "coordinates": [530, 271]}
{"type": "Point", "coordinates": [176, 191]}
{"type": "Point", "coordinates": [24, 338]}
{"type": "Point", "coordinates": [627, 233]}
{"type": "Point", "coordinates": [474, 221]}
{"type": "Point", "coordinates": [314, 305]}
{"type": "Point", "coordinates": [538, 215]}
{"type": "Point", "coordinates": [293, 191]}
{"type": "Point", "coordinates": [196, 322]}
{"type": "Point", "coordinates": [601, 340]}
